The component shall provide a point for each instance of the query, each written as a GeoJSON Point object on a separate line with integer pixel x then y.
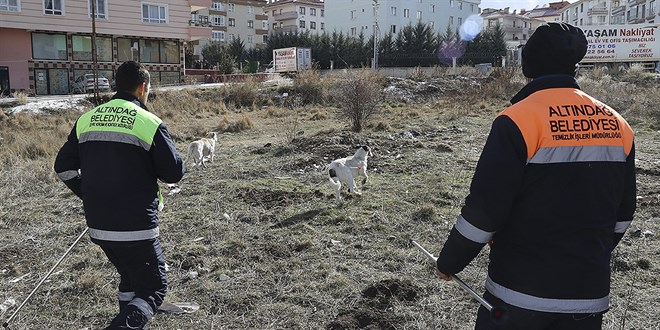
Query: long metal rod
{"type": "Point", "coordinates": [6, 324]}
{"type": "Point", "coordinates": [460, 282]}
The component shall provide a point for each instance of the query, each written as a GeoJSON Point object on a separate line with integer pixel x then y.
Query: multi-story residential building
{"type": "Point", "coordinates": [517, 29]}
{"type": "Point", "coordinates": [549, 13]}
{"type": "Point", "coordinates": [606, 12]}
{"type": "Point", "coordinates": [47, 44]}
{"type": "Point", "coordinates": [355, 17]}
{"type": "Point", "coordinates": [232, 19]}
{"type": "Point", "coordinates": [296, 16]}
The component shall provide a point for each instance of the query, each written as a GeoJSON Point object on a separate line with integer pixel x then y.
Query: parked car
{"type": "Point", "coordinates": [85, 84]}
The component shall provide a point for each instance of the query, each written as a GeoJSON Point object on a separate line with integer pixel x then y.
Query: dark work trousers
{"type": "Point", "coordinates": [142, 285]}
{"type": "Point", "coordinates": [525, 319]}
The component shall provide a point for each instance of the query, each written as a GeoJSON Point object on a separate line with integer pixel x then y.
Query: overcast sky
{"type": "Point", "coordinates": [514, 4]}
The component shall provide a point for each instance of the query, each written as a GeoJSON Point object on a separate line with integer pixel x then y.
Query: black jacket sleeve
{"type": "Point", "coordinates": [167, 161]}
{"type": "Point", "coordinates": [497, 180]}
{"type": "Point", "coordinates": [67, 163]}
{"type": "Point", "coordinates": [629, 201]}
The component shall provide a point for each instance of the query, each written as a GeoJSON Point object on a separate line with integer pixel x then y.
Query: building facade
{"type": "Point", "coordinates": [550, 12]}
{"type": "Point", "coordinates": [385, 16]}
{"type": "Point", "coordinates": [612, 12]}
{"type": "Point", "coordinates": [517, 29]}
{"type": "Point", "coordinates": [286, 16]}
{"type": "Point", "coordinates": [47, 44]}
{"type": "Point", "coordinates": [233, 19]}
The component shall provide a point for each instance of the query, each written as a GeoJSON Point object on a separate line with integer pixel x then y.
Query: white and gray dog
{"type": "Point", "coordinates": [202, 148]}
{"type": "Point", "coordinates": [346, 170]}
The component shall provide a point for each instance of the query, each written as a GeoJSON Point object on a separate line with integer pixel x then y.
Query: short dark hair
{"type": "Point", "coordinates": [130, 75]}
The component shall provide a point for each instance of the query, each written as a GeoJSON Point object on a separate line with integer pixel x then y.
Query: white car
{"type": "Point", "coordinates": [85, 84]}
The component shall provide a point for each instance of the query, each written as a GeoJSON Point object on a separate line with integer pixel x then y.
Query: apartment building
{"type": "Point", "coordinates": [517, 29]}
{"type": "Point", "coordinates": [550, 12]}
{"type": "Point", "coordinates": [612, 12]}
{"type": "Point", "coordinates": [47, 44]}
{"type": "Point", "coordinates": [353, 17]}
{"type": "Point", "coordinates": [296, 16]}
{"type": "Point", "coordinates": [229, 20]}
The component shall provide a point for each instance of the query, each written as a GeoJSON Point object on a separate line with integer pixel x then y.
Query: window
{"type": "Point", "coordinates": [472, 8]}
{"type": "Point", "coordinates": [419, 15]}
{"type": "Point", "coordinates": [149, 51]}
{"type": "Point", "coordinates": [353, 14]}
{"type": "Point", "coordinates": [54, 7]}
{"type": "Point", "coordinates": [154, 13]}
{"type": "Point", "coordinates": [460, 20]}
{"type": "Point", "coordinates": [82, 48]}
{"type": "Point", "coordinates": [274, 12]}
{"type": "Point", "coordinates": [302, 10]}
{"type": "Point", "coordinates": [460, 5]}
{"type": "Point", "coordinates": [217, 20]}
{"type": "Point", "coordinates": [353, 31]}
{"type": "Point", "coordinates": [231, 7]}
{"type": "Point", "coordinates": [250, 24]}
{"type": "Point", "coordinates": [322, 26]}
{"type": "Point", "coordinates": [232, 37]}
{"type": "Point", "coordinates": [264, 39]}
{"type": "Point", "coordinates": [100, 6]}
{"type": "Point", "coordinates": [312, 25]}
{"type": "Point", "coordinates": [406, 13]}
{"type": "Point", "coordinates": [451, 3]}
{"type": "Point", "coordinates": [274, 26]}
{"type": "Point", "coordinates": [250, 9]}
{"type": "Point", "coordinates": [393, 11]}
{"type": "Point", "coordinates": [322, 12]}
{"type": "Point", "coordinates": [169, 52]}
{"type": "Point", "coordinates": [232, 22]}
{"type": "Point", "coordinates": [582, 7]}
{"type": "Point", "coordinates": [49, 46]}
{"type": "Point", "coordinates": [217, 5]}
{"type": "Point", "coordinates": [312, 11]}
{"type": "Point", "coordinates": [264, 25]}
{"type": "Point", "coordinates": [393, 29]}
{"type": "Point", "coordinates": [250, 39]}
{"type": "Point", "coordinates": [302, 24]}
{"type": "Point", "coordinates": [9, 5]}
{"type": "Point", "coordinates": [451, 20]}
{"type": "Point", "coordinates": [432, 9]}
{"type": "Point", "coordinates": [218, 35]}
{"type": "Point", "coordinates": [128, 50]}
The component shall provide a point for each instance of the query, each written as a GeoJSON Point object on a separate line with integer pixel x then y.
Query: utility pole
{"type": "Point", "coordinates": [374, 65]}
{"type": "Point", "coordinates": [95, 63]}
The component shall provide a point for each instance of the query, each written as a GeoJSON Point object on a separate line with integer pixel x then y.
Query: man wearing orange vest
{"type": "Point", "coordinates": [553, 193]}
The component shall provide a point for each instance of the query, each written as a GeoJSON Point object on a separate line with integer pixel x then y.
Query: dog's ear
{"type": "Point", "coordinates": [366, 148]}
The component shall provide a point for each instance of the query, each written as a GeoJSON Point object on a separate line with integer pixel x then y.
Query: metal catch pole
{"type": "Point", "coordinates": [6, 324]}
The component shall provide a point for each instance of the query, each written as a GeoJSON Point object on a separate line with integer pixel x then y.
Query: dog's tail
{"type": "Point", "coordinates": [332, 176]}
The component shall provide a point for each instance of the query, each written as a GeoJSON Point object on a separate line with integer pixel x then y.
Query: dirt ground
{"type": "Point", "coordinates": [259, 242]}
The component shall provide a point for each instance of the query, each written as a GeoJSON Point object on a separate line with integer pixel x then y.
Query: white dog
{"type": "Point", "coordinates": [202, 148]}
{"type": "Point", "coordinates": [346, 170]}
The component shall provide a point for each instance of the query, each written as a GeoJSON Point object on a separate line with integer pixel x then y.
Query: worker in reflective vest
{"type": "Point", "coordinates": [112, 160]}
{"type": "Point", "coordinates": [553, 192]}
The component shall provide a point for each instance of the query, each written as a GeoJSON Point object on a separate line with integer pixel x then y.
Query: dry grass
{"type": "Point", "coordinates": [288, 256]}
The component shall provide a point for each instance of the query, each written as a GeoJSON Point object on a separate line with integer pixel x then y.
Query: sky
{"type": "Point", "coordinates": [514, 4]}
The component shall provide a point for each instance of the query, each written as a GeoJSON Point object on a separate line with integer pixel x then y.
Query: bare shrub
{"type": "Point", "coordinates": [359, 95]}
{"type": "Point", "coordinates": [504, 83]}
{"type": "Point", "coordinates": [244, 94]}
{"type": "Point", "coordinates": [309, 86]}
{"type": "Point", "coordinates": [418, 74]}
{"type": "Point", "coordinates": [240, 125]}
{"type": "Point", "coordinates": [21, 97]}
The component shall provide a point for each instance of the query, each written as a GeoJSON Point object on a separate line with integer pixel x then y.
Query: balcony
{"type": "Point", "coordinates": [618, 9]}
{"type": "Point", "coordinates": [650, 14]}
{"type": "Point", "coordinates": [597, 10]}
{"type": "Point", "coordinates": [196, 5]}
{"type": "Point", "coordinates": [285, 16]}
{"type": "Point", "coordinates": [285, 29]}
{"type": "Point", "coordinates": [199, 28]}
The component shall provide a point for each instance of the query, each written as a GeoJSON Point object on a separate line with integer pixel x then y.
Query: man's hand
{"type": "Point", "coordinates": [442, 276]}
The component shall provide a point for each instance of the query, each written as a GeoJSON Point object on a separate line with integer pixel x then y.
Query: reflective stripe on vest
{"type": "Point", "coordinates": [561, 125]}
{"type": "Point", "coordinates": [68, 175]}
{"type": "Point", "coordinates": [621, 226]}
{"type": "Point", "coordinates": [570, 154]}
{"type": "Point", "coordinates": [471, 232]}
{"type": "Point", "coordinates": [118, 121]}
{"type": "Point", "coordinates": [123, 236]}
{"type": "Point", "coordinates": [550, 305]}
